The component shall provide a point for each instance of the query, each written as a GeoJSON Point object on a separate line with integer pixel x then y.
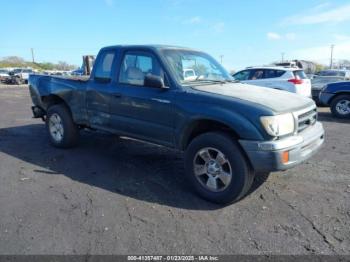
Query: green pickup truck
{"type": "Point", "coordinates": [229, 131]}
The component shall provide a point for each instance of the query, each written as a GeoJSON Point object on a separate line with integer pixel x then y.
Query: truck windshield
{"type": "Point", "coordinates": [195, 67]}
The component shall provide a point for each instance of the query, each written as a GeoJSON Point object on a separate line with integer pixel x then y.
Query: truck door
{"type": "Point", "coordinates": [142, 111]}
{"type": "Point", "coordinates": [100, 90]}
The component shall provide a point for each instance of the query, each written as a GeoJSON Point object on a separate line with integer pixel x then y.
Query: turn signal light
{"type": "Point", "coordinates": [285, 157]}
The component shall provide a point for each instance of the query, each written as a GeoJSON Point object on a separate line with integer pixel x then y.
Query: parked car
{"type": "Point", "coordinates": [337, 96]}
{"type": "Point", "coordinates": [335, 73]}
{"type": "Point", "coordinates": [229, 131]}
{"type": "Point", "coordinates": [4, 75]}
{"type": "Point", "coordinates": [290, 79]}
{"type": "Point", "coordinates": [189, 74]}
{"type": "Point", "coordinates": [319, 82]}
{"type": "Point", "coordinates": [77, 72]}
{"type": "Point", "coordinates": [21, 75]}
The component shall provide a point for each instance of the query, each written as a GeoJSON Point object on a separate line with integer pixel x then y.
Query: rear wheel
{"type": "Point", "coordinates": [217, 168]}
{"type": "Point", "coordinates": [340, 106]}
{"type": "Point", "coordinates": [63, 132]}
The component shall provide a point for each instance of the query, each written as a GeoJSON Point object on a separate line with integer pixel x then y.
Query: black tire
{"type": "Point", "coordinates": [70, 134]}
{"type": "Point", "coordinates": [242, 173]}
{"type": "Point", "coordinates": [334, 104]}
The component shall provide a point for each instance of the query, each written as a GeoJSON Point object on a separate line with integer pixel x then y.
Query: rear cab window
{"type": "Point", "coordinates": [103, 67]}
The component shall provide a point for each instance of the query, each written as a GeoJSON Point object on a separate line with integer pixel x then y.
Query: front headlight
{"type": "Point", "coordinates": [279, 125]}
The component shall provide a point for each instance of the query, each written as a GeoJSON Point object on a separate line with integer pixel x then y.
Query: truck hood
{"type": "Point", "coordinates": [277, 100]}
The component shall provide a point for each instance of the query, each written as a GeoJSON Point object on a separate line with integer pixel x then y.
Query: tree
{"type": "Point", "coordinates": [200, 69]}
{"type": "Point", "coordinates": [319, 67]}
{"type": "Point", "coordinates": [344, 63]}
{"type": "Point", "coordinates": [64, 66]}
{"type": "Point", "coordinates": [15, 60]}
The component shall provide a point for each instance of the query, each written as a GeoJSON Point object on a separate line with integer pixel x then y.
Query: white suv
{"type": "Point", "coordinates": [289, 79]}
{"type": "Point", "coordinates": [22, 74]}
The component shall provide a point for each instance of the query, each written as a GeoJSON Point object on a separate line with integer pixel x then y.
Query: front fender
{"type": "Point", "coordinates": [239, 124]}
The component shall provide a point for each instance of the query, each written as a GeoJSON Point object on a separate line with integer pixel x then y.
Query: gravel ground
{"type": "Point", "coordinates": [119, 196]}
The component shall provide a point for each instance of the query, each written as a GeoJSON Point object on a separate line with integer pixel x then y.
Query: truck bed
{"type": "Point", "coordinates": [77, 78]}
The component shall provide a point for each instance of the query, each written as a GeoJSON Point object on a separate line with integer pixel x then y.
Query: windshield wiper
{"type": "Point", "coordinates": [207, 80]}
{"type": "Point", "coordinates": [213, 81]}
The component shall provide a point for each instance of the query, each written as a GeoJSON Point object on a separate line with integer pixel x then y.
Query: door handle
{"type": "Point", "coordinates": [117, 95]}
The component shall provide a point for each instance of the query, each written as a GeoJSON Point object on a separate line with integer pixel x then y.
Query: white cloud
{"type": "Point", "coordinates": [340, 37]}
{"type": "Point", "coordinates": [322, 53]}
{"type": "Point", "coordinates": [315, 16]}
{"type": "Point", "coordinates": [290, 36]}
{"type": "Point", "coordinates": [321, 6]}
{"type": "Point", "coordinates": [219, 27]}
{"type": "Point", "coordinates": [273, 36]}
{"type": "Point", "coordinates": [193, 20]}
{"type": "Point", "coordinates": [277, 36]}
{"type": "Point", "coordinates": [109, 2]}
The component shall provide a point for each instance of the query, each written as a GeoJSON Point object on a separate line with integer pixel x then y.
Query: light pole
{"type": "Point", "coordinates": [221, 57]}
{"type": "Point", "coordinates": [32, 50]}
{"type": "Point", "coordinates": [332, 48]}
{"type": "Point", "coordinates": [282, 55]}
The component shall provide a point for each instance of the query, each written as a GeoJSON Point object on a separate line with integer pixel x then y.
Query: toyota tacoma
{"type": "Point", "coordinates": [229, 131]}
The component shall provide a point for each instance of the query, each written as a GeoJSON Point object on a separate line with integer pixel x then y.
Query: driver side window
{"type": "Point", "coordinates": [136, 66]}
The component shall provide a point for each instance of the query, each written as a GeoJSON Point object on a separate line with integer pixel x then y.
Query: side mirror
{"type": "Point", "coordinates": [154, 81]}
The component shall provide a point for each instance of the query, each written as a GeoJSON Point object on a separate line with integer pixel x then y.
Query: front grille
{"type": "Point", "coordinates": [307, 119]}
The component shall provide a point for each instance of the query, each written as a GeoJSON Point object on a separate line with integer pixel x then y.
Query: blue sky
{"type": "Point", "coordinates": [246, 33]}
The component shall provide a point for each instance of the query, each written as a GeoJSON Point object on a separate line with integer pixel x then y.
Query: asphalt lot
{"type": "Point", "coordinates": [119, 196]}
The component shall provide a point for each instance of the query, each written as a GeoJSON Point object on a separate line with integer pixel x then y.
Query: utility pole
{"type": "Point", "coordinates": [332, 48]}
{"type": "Point", "coordinates": [282, 55]}
{"type": "Point", "coordinates": [221, 57]}
{"type": "Point", "coordinates": [32, 50]}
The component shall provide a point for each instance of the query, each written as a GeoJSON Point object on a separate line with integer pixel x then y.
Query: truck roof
{"type": "Point", "coordinates": [155, 47]}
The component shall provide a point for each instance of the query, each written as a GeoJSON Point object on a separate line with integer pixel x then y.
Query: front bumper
{"type": "Point", "coordinates": [315, 94]}
{"type": "Point", "coordinates": [267, 156]}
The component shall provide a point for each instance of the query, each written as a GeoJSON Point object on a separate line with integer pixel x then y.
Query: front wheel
{"type": "Point", "coordinates": [340, 106]}
{"type": "Point", "coordinates": [63, 132]}
{"type": "Point", "coordinates": [217, 168]}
